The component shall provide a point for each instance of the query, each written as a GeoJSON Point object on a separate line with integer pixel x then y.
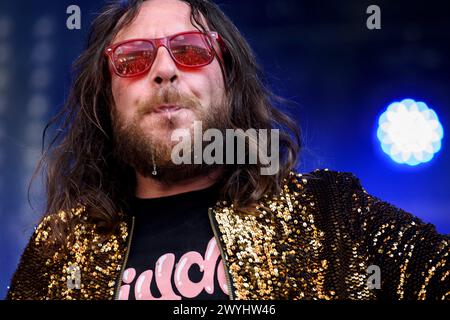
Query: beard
{"type": "Point", "coordinates": [150, 154]}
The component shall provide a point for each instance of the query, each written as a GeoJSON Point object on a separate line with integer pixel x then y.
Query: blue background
{"type": "Point", "coordinates": [317, 53]}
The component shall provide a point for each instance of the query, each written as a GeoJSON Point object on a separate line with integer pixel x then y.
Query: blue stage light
{"type": "Point", "coordinates": [410, 132]}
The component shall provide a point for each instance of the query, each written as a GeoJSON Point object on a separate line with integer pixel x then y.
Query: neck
{"type": "Point", "coordinates": [147, 187]}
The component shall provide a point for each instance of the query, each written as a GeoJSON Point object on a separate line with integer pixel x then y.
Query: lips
{"type": "Point", "coordinates": [167, 108]}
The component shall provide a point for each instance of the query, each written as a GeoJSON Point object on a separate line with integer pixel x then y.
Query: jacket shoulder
{"type": "Point", "coordinates": [32, 275]}
{"type": "Point", "coordinates": [324, 180]}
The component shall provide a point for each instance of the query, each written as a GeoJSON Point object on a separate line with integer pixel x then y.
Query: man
{"type": "Point", "coordinates": [123, 221]}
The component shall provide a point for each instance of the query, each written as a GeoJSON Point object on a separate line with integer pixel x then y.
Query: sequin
{"type": "Point", "coordinates": [314, 240]}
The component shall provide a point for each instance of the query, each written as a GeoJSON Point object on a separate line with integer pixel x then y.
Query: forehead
{"type": "Point", "coordinates": [158, 18]}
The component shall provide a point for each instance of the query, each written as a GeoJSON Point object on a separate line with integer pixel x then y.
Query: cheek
{"type": "Point", "coordinates": [123, 97]}
{"type": "Point", "coordinates": [218, 82]}
{"type": "Point", "coordinates": [217, 77]}
{"type": "Point", "coordinates": [209, 85]}
{"type": "Point", "coordinates": [118, 91]}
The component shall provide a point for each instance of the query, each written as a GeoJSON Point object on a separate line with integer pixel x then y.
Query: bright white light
{"type": "Point", "coordinates": [410, 132]}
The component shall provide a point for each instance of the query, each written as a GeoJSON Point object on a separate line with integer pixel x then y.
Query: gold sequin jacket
{"type": "Point", "coordinates": [318, 239]}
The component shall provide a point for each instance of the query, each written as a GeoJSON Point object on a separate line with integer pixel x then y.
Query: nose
{"type": "Point", "coordinates": [164, 70]}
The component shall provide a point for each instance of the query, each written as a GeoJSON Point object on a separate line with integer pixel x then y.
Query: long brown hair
{"type": "Point", "coordinates": [79, 163]}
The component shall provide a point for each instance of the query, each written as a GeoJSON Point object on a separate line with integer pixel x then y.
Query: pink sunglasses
{"type": "Point", "coordinates": [191, 49]}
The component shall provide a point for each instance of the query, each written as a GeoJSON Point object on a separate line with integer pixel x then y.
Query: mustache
{"type": "Point", "coordinates": [168, 96]}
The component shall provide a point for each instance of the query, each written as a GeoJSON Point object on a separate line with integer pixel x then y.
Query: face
{"type": "Point", "coordinates": [149, 107]}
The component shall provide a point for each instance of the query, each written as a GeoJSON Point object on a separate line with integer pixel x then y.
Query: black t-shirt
{"type": "Point", "coordinates": [174, 254]}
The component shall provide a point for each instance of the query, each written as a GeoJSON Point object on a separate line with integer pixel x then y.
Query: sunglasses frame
{"type": "Point", "coordinates": [165, 42]}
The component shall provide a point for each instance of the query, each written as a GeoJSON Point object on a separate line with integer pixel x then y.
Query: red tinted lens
{"type": "Point", "coordinates": [133, 57]}
{"type": "Point", "coordinates": [191, 49]}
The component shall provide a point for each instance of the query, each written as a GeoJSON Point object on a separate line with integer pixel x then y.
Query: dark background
{"type": "Point", "coordinates": [319, 54]}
